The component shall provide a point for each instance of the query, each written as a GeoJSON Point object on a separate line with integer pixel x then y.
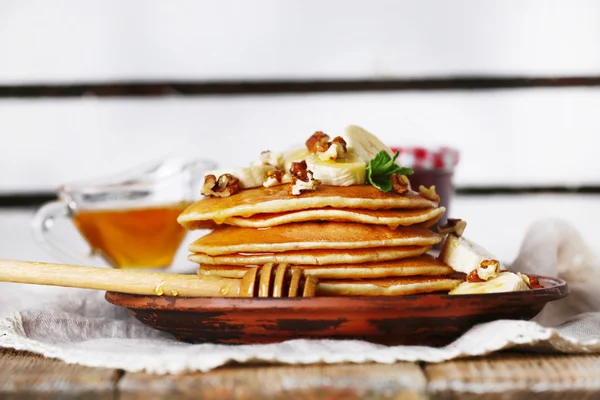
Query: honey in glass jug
{"type": "Point", "coordinates": [129, 220]}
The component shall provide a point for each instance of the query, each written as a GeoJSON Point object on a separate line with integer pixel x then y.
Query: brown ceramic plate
{"type": "Point", "coordinates": [428, 319]}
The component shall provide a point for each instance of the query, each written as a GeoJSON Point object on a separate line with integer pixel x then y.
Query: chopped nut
{"type": "Point", "coordinates": [400, 183]}
{"type": "Point", "coordinates": [340, 140]}
{"type": "Point", "coordinates": [333, 152]}
{"type": "Point", "coordinates": [302, 179]}
{"type": "Point", "coordinates": [225, 186]}
{"type": "Point", "coordinates": [317, 142]}
{"type": "Point", "coordinates": [534, 282]}
{"type": "Point", "coordinates": [336, 149]}
{"type": "Point", "coordinates": [300, 170]}
{"type": "Point", "coordinates": [531, 281]}
{"type": "Point", "coordinates": [473, 277]}
{"type": "Point", "coordinates": [210, 181]}
{"type": "Point", "coordinates": [429, 194]}
{"type": "Point", "coordinates": [456, 226]}
{"type": "Point", "coordinates": [301, 186]}
{"type": "Point", "coordinates": [488, 269]}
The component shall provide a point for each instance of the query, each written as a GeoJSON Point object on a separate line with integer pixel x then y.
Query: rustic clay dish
{"type": "Point", "coordinates": [428, 319]}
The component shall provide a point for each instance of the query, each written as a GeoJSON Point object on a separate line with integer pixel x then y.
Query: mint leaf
{"type": "Point", "coordinates": [382, 167]}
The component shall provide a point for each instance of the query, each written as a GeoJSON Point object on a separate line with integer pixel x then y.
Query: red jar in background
{"type": "Point", "coordinates": [432, 166]}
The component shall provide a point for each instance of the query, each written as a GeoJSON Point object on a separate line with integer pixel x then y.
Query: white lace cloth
{"type": "Point", "coordinates": [78, 326]}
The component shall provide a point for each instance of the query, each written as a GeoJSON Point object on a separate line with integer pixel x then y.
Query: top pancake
{"type": "Point", "coordinates": [393, 218]}
{"type": "Point", "coordinates": [310, 236]}
{"type": "Point", "coordinates": [277, 199]}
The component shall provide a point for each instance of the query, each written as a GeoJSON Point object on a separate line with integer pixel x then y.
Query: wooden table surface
{"type": "Point", "coordinates": [498, 376]}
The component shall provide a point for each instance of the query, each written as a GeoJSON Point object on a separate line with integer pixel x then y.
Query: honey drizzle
{"type": "Point", "coordinates": [159, 290]}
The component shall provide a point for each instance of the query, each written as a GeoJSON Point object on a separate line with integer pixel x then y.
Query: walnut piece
{"type": "Point", "coordinates": [300, 170]}
{"type": "Point", "coordinates": [531, 281]}
{"type": "Point", "coordinates": [429, 194]}
{"type": "Point", "coordinates": [340, 140]}
{"type": "Point", "coordinates": [456, 226]}
{"type": "Point", "coordinates": [302, 179]}
{"type": "Point", "coordinates": [225, 186]}
{"type": "Point", "coordinates": [400, 183]}
{"type": "Point", "coordinates": [487, 270]}
{"type": "Point", "coordinates": [473, 277]}
{"type": "Point", "coordinates": [336, 149]}
{"type": "Point", "coordinates": [210, 181]}
{"type": "Point", "coordinates": [320, 145]}
{"type": "Point", "coordinates": [301, 186]}
{"type": "Point", "coordinates": [317, 142]}
{"type": "Point", "coordinates": [534, 282]}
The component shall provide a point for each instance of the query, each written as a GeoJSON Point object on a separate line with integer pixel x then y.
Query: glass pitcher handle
{"type": "Point", "coordinates": [42, 223]}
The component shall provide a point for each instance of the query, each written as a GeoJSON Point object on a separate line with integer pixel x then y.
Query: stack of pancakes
{"type": "Point", "coordinates": [357, 240]}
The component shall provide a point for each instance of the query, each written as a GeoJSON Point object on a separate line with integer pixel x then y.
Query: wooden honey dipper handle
{"type": "Point", "coordinates": [117, 280]}
{"type": "Point", "coordinates": [265, 281]}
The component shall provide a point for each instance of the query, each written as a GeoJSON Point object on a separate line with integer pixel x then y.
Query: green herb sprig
{"type": "Point", "coordinates": [381, 169]}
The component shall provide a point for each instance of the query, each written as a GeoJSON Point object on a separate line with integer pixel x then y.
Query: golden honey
{"type": "Point", "coordinates": [133, 238]}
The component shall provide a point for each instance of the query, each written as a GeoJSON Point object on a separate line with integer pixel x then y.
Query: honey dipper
{"type": "Point", "coordinates": [263, 281]}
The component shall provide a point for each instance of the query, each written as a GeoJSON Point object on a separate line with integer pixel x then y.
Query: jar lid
{"type": "Point", "coordinates": [445, 158]}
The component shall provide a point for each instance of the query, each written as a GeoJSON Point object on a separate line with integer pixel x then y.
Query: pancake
{"type": "Point", "coordinates": [423, 265]}
{"type": "Point", "coordinates": [310, 235]}
{"type": "Point", "coordinates": [277, 199]}
{"type": "Point", "coordinates": [313, 257]}
{"type": "Point", "coordinates": [424, 217]}
{"type": "Point", "coordinates": [386, 286]}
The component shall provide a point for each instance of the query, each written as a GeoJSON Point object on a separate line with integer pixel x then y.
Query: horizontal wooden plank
{"type": "Point", "coordinates": [402, 381]}
{"type": "Point", "coordinates": [534, 137]}
{"type": "Point", "coordinates": [519, 377]}
{"type": "Point", "coordinates": [27, 376]}
{"type": "Point", "coordinates": [273, 39]}
{"type": "Point", "coordinates": [195, 88]}
{"type": "Point", "coordinates": [497, 376]}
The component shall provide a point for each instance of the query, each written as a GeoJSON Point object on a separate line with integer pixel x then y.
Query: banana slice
{"type": "Point", "coordinates": [366, 145]}
{"type": "Point", "coordinates": [505, 282]}
{"type": "Point", "coordinates": [342, 172]}
{"type": "Point", "coordinates": [250, 177]}
{"type": "Point", "coordinates": [463, 255]}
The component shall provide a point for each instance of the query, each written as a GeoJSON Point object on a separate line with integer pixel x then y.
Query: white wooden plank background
{"type": "Point", "coordinates": [71, 40]}
{"type": "Point", "coordinates": [512, 138]}
{"type": "Point", "coordinates": [498, 223]}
